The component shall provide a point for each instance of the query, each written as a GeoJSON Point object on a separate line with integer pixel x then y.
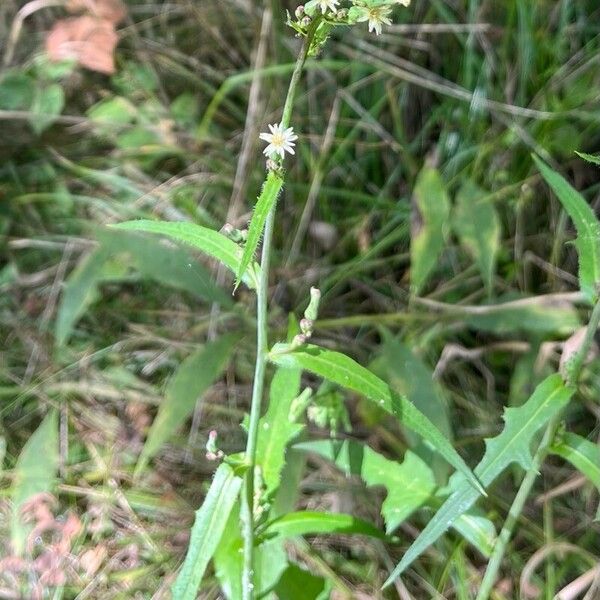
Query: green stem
{"type": "Point", "coordinates": [262, 348]}
{"type": "Point", "coordinates": [491, 572]}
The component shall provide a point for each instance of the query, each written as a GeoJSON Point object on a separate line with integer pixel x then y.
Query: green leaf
{"type": "Point", "coordinates": [313, 523]}
{"type": "Point", "coordinates": [344, 371]}
{"type": "Point", "coordinates": [586, 224]}
{"type": "Point", "coordinates": [478, 228]}
{"type": "Point", "coordinates": [298, 584]}
{"type": "Point", "coordinates": [512, 445]}
{"type": "Point", "coordinates": [266, 201]}
{"type": "Point", "coordinates": [589, 157]}
{"type": "Point", "coordinates": [34, 473]}
{"type": "Point", "coordinates": [270, 560]}
{"type": "Point", "coordinates": [206, 240]}
{"type": "Point", "coordinates": [164, 262]}
{"type": "Point", "coordinates": [47, 104]}
{"type": "Point", "coordinates": [409, 484]}
{"type": "Point", "coordinates": [207, 531]}
{"type": "Point", "coordinates": [193, 377]}
{"type": "Point", "coordinates": [276, 428]}
{"type": "Point", "coordinates": [408, 375]}
{"type": "Point", "coordinates": [16, 91]}
{"type": "Point", "coordinates": [431, 209]}
{"type": "Point", "coordinates": [581, 453]}
{"type": "Point", "coordinates": [477, 529]}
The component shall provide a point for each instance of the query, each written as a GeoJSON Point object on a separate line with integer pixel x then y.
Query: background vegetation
{"type": "Point", "coordinates": [105, 326]}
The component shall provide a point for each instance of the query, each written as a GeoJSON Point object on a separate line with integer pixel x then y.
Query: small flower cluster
{"type": "Point", "coordinates": [322, 16]}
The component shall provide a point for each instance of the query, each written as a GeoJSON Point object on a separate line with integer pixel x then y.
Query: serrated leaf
{"type": "Point", "coordinates": [207, 531]}
{"type": "Point", "coordinates": [476, 223]}
{"type": "Point", "coordinates": [47, 104]}
{"type": "Point", "coordinates": [193, 377]}
{"type": "Point", "coordinates": [581, 453]}
{"type": "Point", "coordinates": [266, 201]}
{"type": "Point", "coordinates": [409, 484]}
{"type": "Point", "coordinates": [431, 210]}
{"type": "Point", "coordinates": [512, 445]}
{"type": "Point", "coordinates": [589, 157]}
{"type": "Point", "coordinates": [276, 429]}
{"type": "Point", "coordinates": [586, 224]}
{"type": "Point", "coordinates": [341, 369]}
{"type": "Point", "coordinates": [34, 473]}
{"type": "Point", "coordinates": [206, 240]}
{"type": "Point", "coordinates": [313, 523]}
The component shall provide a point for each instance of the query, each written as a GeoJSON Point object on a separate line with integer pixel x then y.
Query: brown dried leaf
{"type": "Point", "coordinates": [88, 40]}
{"type": "Point", "coordinates": [113, 11]}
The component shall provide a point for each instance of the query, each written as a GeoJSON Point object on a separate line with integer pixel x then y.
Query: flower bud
{"type": "Point", "coordinates": [299, 11]}
{"type": "Point", "coordinates": [306, 21]}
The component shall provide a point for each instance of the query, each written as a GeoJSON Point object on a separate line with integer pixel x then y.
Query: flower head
{"type": "Point", "coordinates": [376, 15]}
{"type": "Point", "coordinates": [280, 140]}
{"type": "Point", "coordinates": [326, 5]}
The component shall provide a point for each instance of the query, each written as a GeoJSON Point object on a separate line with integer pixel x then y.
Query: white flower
{"type": "Point", "coordinates": [403, 2]}
{"type": "Point", "coordinates": [376, 15]}
{"type": "Point", "coordinates": [280, 140]}
{"type": "Point", "coordinates": [326, 5]}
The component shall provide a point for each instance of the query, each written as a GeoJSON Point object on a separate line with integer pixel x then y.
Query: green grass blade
{"type": "Point", "coordinates": [512, 445]}
{"type": "Point", "coordinates": [431, 209]}
{"type": "Point", "coordinates": [582, 454]}
{"type": "Point", "coordinates": [206, 240]}
{"type": "Point", "coordinates": [193, 377]}
{"type": "Point", "coordinates": [587, 225]}
{"type": "Point", "coordinates": [591, 158]}
{"type": "Point", "coordinates": [344, 371]}
{"type": "Point", "coordinates": [312, 523]}
{"type": "Point", "coordinates": [208, 528]}
{"type": "Point", "coordinates": [264, 204]}
{"type": "Point", "coordinates": [34, 473]}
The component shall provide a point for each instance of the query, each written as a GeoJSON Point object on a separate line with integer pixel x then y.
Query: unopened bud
{"type": "Point", "coordinates": [306, 327]}
{"type": "Point", "coordinates": [312, 310]}
{"type": "Point", "coordinates": [299, 12]}
{"type": "Point", "coordinates": [272, 165]}
{"type": "Point", "coordinates": [306, 21]}
{"type": "Point", "coordinates": [299, 340]}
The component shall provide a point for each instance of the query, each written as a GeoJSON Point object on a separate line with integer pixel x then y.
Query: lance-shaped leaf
{"type": "Point", "coordinates": [587, 225]}
{"type": "Point", "coordinates": [478, 228]}
{"type": "Point", "coordinates": [211, 519]}
{"type": "Point", "coordinates": [34, 473]}
{"type": "Point", "coordinates": [589, 157]}
{"type": "Point", "coordinates": [312, 523]}
{"type": "Point", "coordinates": [208, 241]}
{"type": "Point", "coordinates": [341, 369]}
{"type": "Point", "coordinates": [430, 212]}
{"type": "Point", "coordinates": [581, 453]}
{"type": "Point", "coordinates": [512, 445]}
{"type": "Point", "coordinates": [276, 427]}
{"type": "Point", "coordinates": [266, 201]}
{"type": "Point", "coordinates": [193, 377]}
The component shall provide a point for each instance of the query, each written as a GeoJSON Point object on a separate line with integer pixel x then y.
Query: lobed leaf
{"type": "Point", "coordinates": [586, 224]}
{"type": "Point", "coordinates": [431, 210]}
{"type": "Point", "coordinates": [266, 201]}
{"type": "Point", "coordinates": [512, 445]}
{"type": "Point", "coordinates": [211, 519]}
{"type": "Point", "coordinates": [193, 377]}
{"type": "Point", "coordinates": [206, 240]}
{"type": "Point", "coordinates": [341, 369]}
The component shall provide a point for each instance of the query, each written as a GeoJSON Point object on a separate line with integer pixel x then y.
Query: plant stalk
{"type": "Point", "coordinates": [262, 348]}
{"type": "Point", "coordinates": [493, 567]}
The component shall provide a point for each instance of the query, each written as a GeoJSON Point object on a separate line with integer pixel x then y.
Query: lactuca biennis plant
{"type": "Point", "coordinates": [246, 486]}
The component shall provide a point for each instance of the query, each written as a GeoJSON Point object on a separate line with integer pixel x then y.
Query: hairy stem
{"type": "Point", "coordinates": [491, 572]}
{"type": "Point", "coordinates": [262, 348]}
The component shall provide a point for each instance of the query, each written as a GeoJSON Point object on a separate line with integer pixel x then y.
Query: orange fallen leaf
{"type": "Point", "coordinates": [88, 40]}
